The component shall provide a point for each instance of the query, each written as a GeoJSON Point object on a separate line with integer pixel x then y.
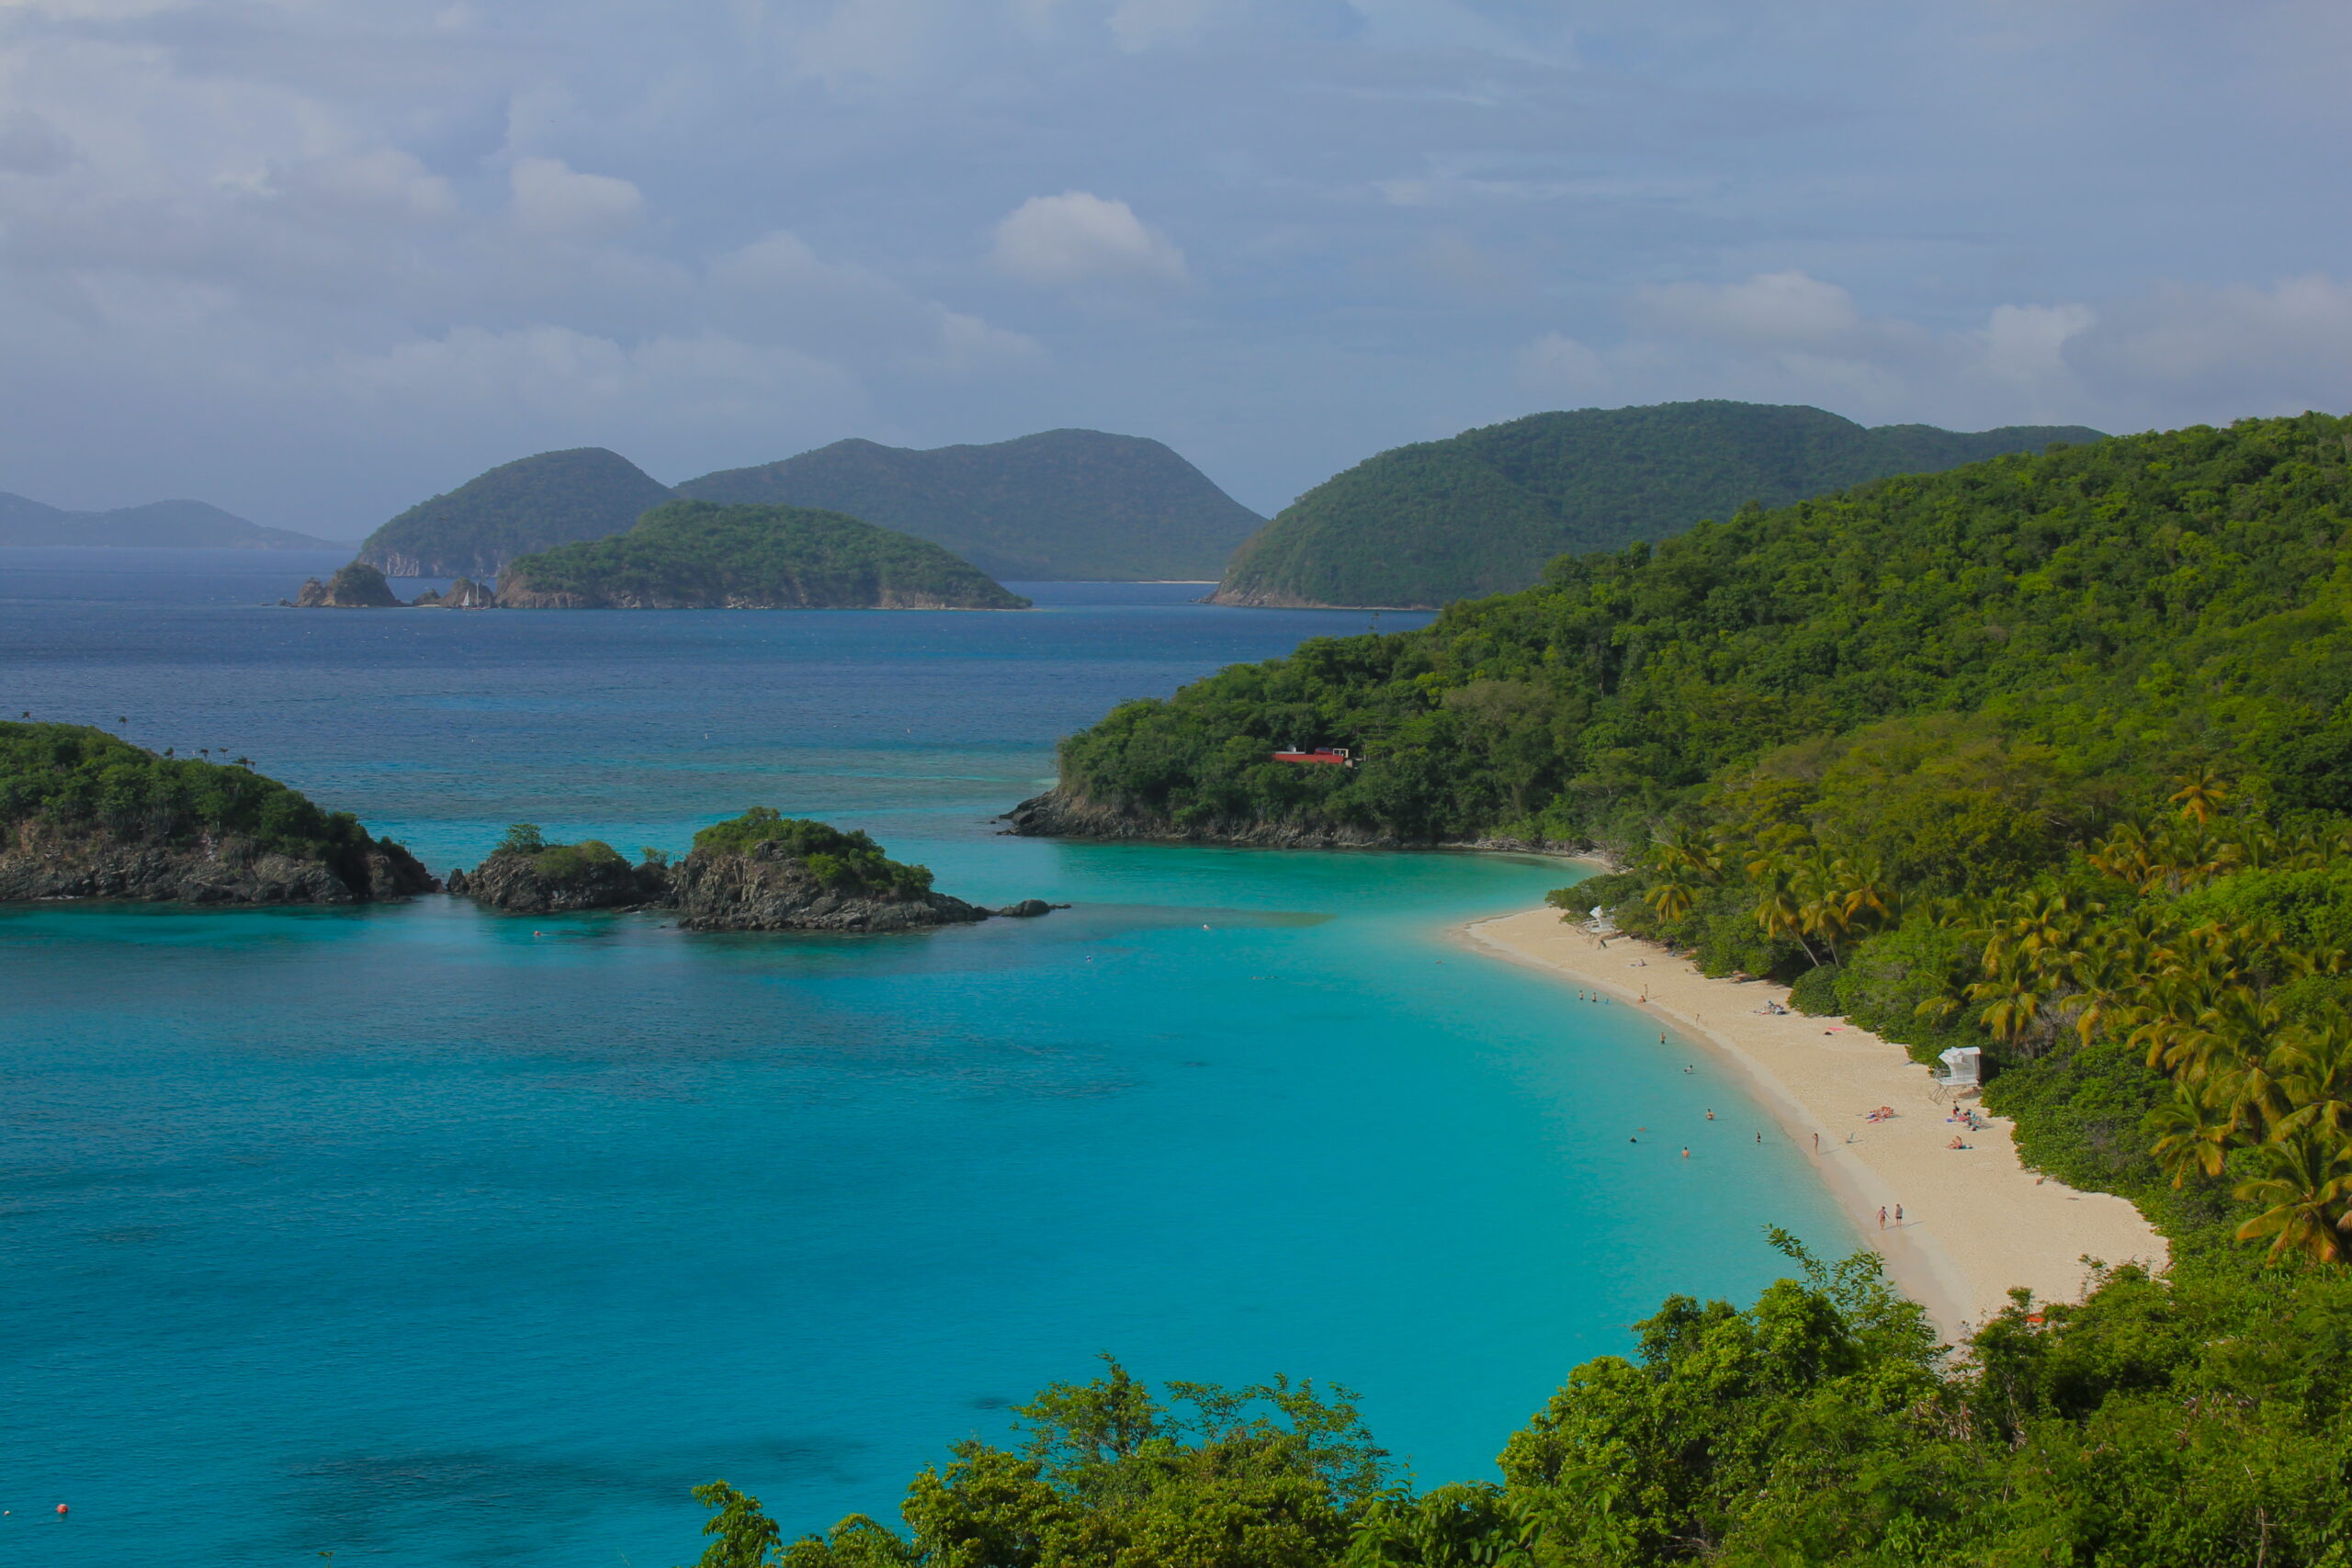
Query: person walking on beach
{"type": "Point", "coordinates": [1898, 1215]}
{"type": "Point", "coordinates": [1816, 1142]}
{"type": "Point", "coordinates": [1881, 1216]}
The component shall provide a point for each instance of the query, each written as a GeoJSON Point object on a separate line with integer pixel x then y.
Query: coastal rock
{"type": "Point", "coordinates": [463, 595]}
{"type": "Point", "coordinates": [560, 880]}
{"type": "Point", "coordinates": [356, 587]}
{"type": "Point", "coordinates": [769, 888]}
{"type": "Point", "coordinates": [1059, 815]}
{"type": "Point", "coordinates": [41, 862]}
{"type": "Point", "coordinates": [1029, 909]}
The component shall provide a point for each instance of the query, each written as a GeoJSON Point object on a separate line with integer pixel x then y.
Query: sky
{"type": "Point", "coordinates": [316, 260]}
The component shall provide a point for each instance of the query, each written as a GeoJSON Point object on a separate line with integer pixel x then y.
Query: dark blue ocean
{"type": "Point", "coordinates": [427, 1237]}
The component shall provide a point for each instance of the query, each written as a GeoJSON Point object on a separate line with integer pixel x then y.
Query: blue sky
{"type": "Point", "coordinates": [314, 259]}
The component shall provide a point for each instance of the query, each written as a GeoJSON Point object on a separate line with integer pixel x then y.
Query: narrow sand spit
{"type": "Point", "coordinates": [1975, 1222]}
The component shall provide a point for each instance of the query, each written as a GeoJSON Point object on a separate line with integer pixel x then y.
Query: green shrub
{"type": "Point", "coordinates": [837, 859]}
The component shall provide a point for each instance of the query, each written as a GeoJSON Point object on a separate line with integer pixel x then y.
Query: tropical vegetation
{"type": "Point", "coordinates": [83, 780]}
{"type": "Point", "coordinates": [1482, 512]}
{"type": "Point", "coordinates": [845, 862]}
{"type": "Point", "coordinates": [697, 554]}
{"type": "Point", "coordinates": [2152, 1425]}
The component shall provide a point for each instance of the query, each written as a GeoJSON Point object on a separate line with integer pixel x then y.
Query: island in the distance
{"type": "Point", "coordinates": [758, 871]}
{"type": "Point", "coordinates": [698, 555]}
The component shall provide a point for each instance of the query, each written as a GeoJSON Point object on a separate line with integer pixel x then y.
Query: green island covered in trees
{"type": "Point", "coordinates": [84, 814]}
{"type": "Point", "coordinates": [700, 555]}
{"type": "Point", "coordinates": [2049, 755]}
{"type": "Point", "coordinates": [1419, 526]}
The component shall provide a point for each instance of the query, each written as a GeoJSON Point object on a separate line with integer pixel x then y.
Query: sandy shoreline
{"type": "Point", "coordinates": [1975, 1222]}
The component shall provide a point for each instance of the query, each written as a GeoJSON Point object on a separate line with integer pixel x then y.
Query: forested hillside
{"type": "Point", "coordinates": [1062, 504]}
{"type": "Point", "coordinates": [699, 555]}
{"type": "Point", "coordinates": [532, 503]}
{"type": "Point", "coordinates": [1482, 512]}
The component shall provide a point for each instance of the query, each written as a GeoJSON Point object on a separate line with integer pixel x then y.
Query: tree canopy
{"type": "Point", "coordinates": [698, 554]}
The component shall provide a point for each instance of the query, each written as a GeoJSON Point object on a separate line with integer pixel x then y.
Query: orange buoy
{"type": "Point", "coordinates": [60, 1507]}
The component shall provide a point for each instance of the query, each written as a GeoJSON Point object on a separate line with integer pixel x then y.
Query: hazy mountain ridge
{"type": "Point", "coordinates": [1061, 505]}
{"type": "Point", "coordinates": [515, 509]}
{"type": "Point", "coordinates": [1481, 512]}
{"type": "Point", "coordinates": [158, 524]}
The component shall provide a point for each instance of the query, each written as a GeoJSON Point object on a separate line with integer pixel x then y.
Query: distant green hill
{"type": "Point", "coordinates": [169, 524]}
{"type": "Point", "coordinates": [532, 503]}
{"type": "Point", "coordinates": [1482, 512]}
{"type": "Point", "coordinates": [1073, 505]}
{"type": "Point", "coordinates": [699, 555]}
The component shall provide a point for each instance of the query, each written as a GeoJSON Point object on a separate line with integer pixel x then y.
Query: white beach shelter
{"type": "Point", "coordinates": [1961, 1066]}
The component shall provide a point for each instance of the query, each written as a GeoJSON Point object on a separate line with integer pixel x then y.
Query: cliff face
{"type": "Point", "coordinates": [40, 862]}
{"type": "Point", "coordinates": [768, 888]}
{"type": "Point", "coordinates": [528, 885]}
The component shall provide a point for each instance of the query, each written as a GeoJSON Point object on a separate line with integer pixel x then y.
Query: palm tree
{"type": "Point", "coordinates": [2201, 796]}
{"type": "Point", "coordinates": [1669, 901]}
{"type": "Point", "coordinates": [2314, 1069]}
{"type": "Point", "coordinates": [2303, 1180]}
{"type": "Point", "coordinates": [2191, 1137]}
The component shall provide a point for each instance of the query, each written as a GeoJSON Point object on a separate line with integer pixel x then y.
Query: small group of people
{"type": "Point", "coordinates": [1772, 1007]}
{"type": "Point", "coordinates": [1966, 1116]}
{"type": "Point", "coordinates": [1881, 1216]}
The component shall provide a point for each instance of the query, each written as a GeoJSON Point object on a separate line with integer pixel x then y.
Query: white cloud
{"type": "Point", "coordinates": [1079, 238]}
{"type": "Point", "coordinates": [554, 200]}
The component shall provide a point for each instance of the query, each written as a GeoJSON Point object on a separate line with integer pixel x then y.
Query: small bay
{"type": "Point", "coordinates": [430, 1237]}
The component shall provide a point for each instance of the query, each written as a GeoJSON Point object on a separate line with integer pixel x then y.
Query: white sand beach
{"type": "Point", "coordinates": [1975, 1221]}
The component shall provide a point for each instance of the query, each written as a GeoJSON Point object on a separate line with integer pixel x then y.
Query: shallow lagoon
{"type": "Point", "coordinates": [432, 1237]}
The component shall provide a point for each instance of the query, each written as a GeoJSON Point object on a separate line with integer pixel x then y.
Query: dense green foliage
{"type": "Point", "coordinates": [83, 779]}
{"type": "Point", "coordinates": [2155, 1425]}
{"type": "Point", "coordinates": [844, 860]}
{"type": "Point", "coordinates": [697, 554]}
{"type": "Point", "coordinates": [532, 503]}
{"type": "Point", "coordinates": [562, 863]}
{"type": "Point", "coordinates": [2054, 625]}
{"type": "Point", "coordinates": [1062, 504]}
{"type": "Point", "coordinates": [1482, 512]}
{"type": "Point", "coordinates": [166, 524]}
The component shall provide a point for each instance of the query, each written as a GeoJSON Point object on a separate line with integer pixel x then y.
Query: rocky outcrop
{"type": "Point", "coordinates": [562, 881]}
{"type": "Point", "coordinates": [1059, 814]}
{"type": "Point", "coordinates": [38, 861]}
{"type": "Point", "coordinates": [463, 595]}
{"type": "Point", "coordinates": [356, 587]}
{"type": "Point", "coordinates": [768, 888]}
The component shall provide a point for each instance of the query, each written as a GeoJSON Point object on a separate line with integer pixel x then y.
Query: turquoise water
{"type": "Point", "coordinates": [427, 1237]}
